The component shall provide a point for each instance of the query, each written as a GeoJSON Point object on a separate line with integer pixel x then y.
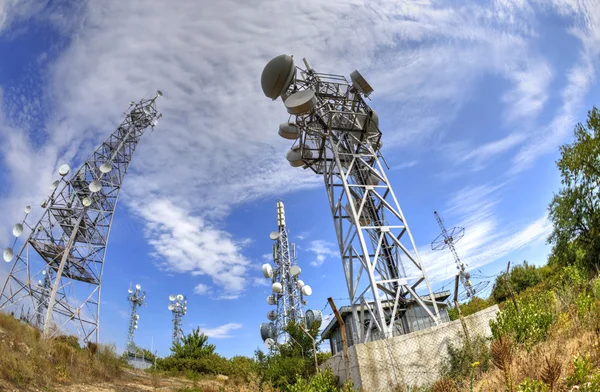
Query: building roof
{"type": "Point", "coordinates": [344, 310]}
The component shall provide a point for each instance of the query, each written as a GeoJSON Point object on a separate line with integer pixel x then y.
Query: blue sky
{"type": "Point", "coordinates": [474, 99]}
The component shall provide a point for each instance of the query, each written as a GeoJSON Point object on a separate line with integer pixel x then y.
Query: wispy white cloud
{"type": "Point", "coordinates": [221, 332]}
{"type": "Point", "coordinates": [322, 250]}
{"type": "Point", "coordinates": [201, 289]}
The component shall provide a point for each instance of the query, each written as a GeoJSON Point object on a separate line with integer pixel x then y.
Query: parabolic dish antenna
{"type": "Point", "coordinates": [130, 291]}
{"type": "Point", "coordinates": [269, 343]}
{"type": "Point", "coordinates": [360, 83]}
{"type": "Point", "coordinates": [86, 202]}
{"type": "Point", "coordinates": [147, 109]}
{"type": "Point", "coordinates": [171, 297]}
{"type": "Point", "coordinates": [272, 315]}
{"type": "Point", "coordinates": [43, 272]}
{"type": "Point", "coordinates": [313, 318]}
{"type": "Point", "coordinates": [39, 282]}
{"type": "Point", "coordinates": [95, 186]}
{"type": "Point", "coordinates": [277, 76]}
{"type": "Point", "coordinates": [171, 307]}
{"type": "Point", "coordinates": [271, 300]}
{"type": "Point", "coordinates": [294, 156]}
{"type": "Point", "coordinates": [8, 254]}
{"type": "Point", "coordinates": [135, 327]}
{"type": "Point", "coordinates": [295, 270]}
{"type": "Point", "coordinates": [267, 271]}
{"type": "Point", "coordinates": [289, 131]}
{"type": "Point", "coordinates": [179, 297]}
{"type": "Point", "coordinates": [306, 290]}
{"type": "Point", "coordinates": [277, 287]}
{"type": "Point", "coordinates": [300, 283]}
{"type": "Point", "coordinates": [159, 93]}
{"type": "Point", "coordinates": [137, 316]}
{"type": "Point", "coordinates": [106, 167]}
{"type": "Point", "coordinates": [267, 331]}
{"type": "Point", "coordinates": [63, 170]}
{"type": "Point", "coordinates": [17, 230]}
{"type": "Point", "coordinates": [54, 185]}
{"type": "Point", "coordinates": [138, 287]}
{"type": "Point", "coordinates": [274, 235]}
{"type": "Point", "coordinates": [27, 209]}
{"type": "Point", "coordinates": [301, 102]}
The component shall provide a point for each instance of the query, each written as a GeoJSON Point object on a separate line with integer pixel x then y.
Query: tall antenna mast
{"type": "Point", "coordinates": [446, 240]}
{"type": "Point", "coordinates": [178, 307]}
{"type": "Point", "coordinates": [136, 298]}
{"type": "Point", "coordinates": [336, 134]}
{"type": "Point", "coordinates": [288, 290]}
{"type": "Point", "coordinates": [68, 243]}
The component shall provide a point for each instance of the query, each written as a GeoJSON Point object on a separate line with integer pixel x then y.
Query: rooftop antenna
{"type": "Point", "coordinates": [68, 243]}
{"type": "Point", "coordinates": [446, 240]}
{"type": "Point", "coordinates": [178, 307]}
{"type": "Point", "coordinates": [289, 291]}
{"type": "Point", "coordinates": [136, 297]}
{"type": "Point", "coordinates": [336, 134]}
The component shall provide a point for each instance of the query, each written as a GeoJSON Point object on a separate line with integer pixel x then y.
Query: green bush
{"type": "Point", "coordinates": [321, 382]}
{"type": "Point", "coordinates": [459, 364]}
{"type": "Point", "coordinates": [582, 370]}
{"type": "Point", "coordinates": [210, 364]}
{"type": "Point", "coordinates": [520, 277]}
{"type": "Point", "coordinates": [529, 385]}
{"type": "Point", "coordinates": [241, 368]}
{"type": "Point", "coordinates": [531, 323]}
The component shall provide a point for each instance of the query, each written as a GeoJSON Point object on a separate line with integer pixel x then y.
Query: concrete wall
{"type": "Point", "coordinates": [408, 360]}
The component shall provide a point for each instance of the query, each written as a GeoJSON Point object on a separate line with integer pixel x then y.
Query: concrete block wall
{"type": "Point", "coordinates": [411, 360]}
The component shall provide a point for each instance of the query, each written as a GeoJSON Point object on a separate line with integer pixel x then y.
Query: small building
{"type": "Point", "coordinates": [412, 318]}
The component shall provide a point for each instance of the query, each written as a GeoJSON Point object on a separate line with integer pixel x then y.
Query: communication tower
{"type": "Point", "coordinates": [178, 307]}
{"type": "Point", "coordinates": [447, 239]}
{"type": "Point", "coordinates": [336, 134]}
{"type": "Point", "coordinates": [288, 290]}
{"type": "Point", "coordinates": [136, 298]}
{"type": "Point", "coordinates": [67, 246]}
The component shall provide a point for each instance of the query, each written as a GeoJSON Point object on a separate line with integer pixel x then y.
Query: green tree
{"type": "Point", "coordinates": [193, 346]}
{"type": "Point", "coordinates": [575, 210]}
{"type": "Point", "coordinates": [520, 277]}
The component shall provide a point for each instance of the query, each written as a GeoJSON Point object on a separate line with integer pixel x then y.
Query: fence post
{"type": "Point", "coordinates": [340, 321]}
{"type": "Point", "coordinates": [462, 319]}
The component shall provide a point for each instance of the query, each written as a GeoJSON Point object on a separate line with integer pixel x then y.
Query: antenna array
{"type": "Point", "coordinates": [178, 307]}
{"type": "Point", "coordinates": [336, 134]}
{"type": "Point", "coordinates": [66, 248]}
{"type": "Point", "coordinates": [136, 298]}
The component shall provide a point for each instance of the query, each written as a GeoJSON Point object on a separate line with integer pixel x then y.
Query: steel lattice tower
{"type": "Point", "coordinates": [337, 136]}
{"type": "Point", "coordinates": [136, 298]}
{"type": "Point", "coordinates": [288, 289]}
{"type": "Point", "coordinates": [69, 241]}
{"type": "Point", "coordinates": [447, 239]}
{"type": "Point", "coordinates": [178, 307]}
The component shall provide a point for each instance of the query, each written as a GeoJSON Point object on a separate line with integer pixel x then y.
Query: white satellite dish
{"type": "Point", "coordinates": [277, 287]}
{"type": "Point", "coordinates": [8, 254]}
{"type": "Point", "coordinates": [39, 282]}
{"type": "Point", "coordinates": [137, 316]}
{"type": "Point", "coordinates": [138, 287]}
{"type": "Point", "coordinates": [171, 297]}
{"type": "Point", "coordinates": [360, 83]}
{"type": "Point", "coordinates": [306, 290]}
{"type": "Point", "coordinates": [135, 327]}
{"type": "Point", "coordinates": [130, 291]}
{"type": "Point", "coordinates": [179, 297]}
{"type": "Point", "coordinates": [277, 76]}
{"type": "Point", "coordinates": [272, 315]}
{"type": "Point", "coordinates": [106, 167]}
{"type": "Point", "coordinates": [54, 185]}
{"type": "Point", "coordinates": [294, 156]}
{"type": "Point", "coordinates": [274, 235]}
{"type": "Point", "coordinates": [43, 272]}
{"type": "Point", "coordinates": [171, 307]}
{"type": "Point", "coordinates": [43, 204]}
{"type": "Point", "coordinates": [147, 109]}
{"type": "Point", "coordinates": [95, 186]}
{"type": "Point", "coordinates": [271, 300]}
{"type": "Point", "coordinates": [63, 170]}
{"type": "Point", "coordinates": [17, 230]}
{"type": "Point", "coordinates": [27, 209]}
{"type": "Point", "coordinates": [267, 271]}
{"type": "Point", "coordinates": [301, 102]}
{"type": "Point", "coordinates": [269, 343]}
{"type": "Point", "coordinates": [300, 283]}
{"type": "Point", "coordinates": [86, 202]}
{"type": "Point", "coordinates": [289, 131]}
{"type": "Point", "coordinates": [295, 270]}
{"type": "Point", "coordinates": [159, 93]}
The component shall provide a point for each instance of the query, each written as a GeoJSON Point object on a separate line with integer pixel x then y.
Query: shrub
{"type": "Point", "coordinates": [459, 364]}
{"type": "Point", "coordinates": [473, 306]}
{"type": "Point", "coordinates": [210, 364]}
{"type": "Point", "coordinates": [529, 385]}
{"type": "Point", "coordinates": [531, 323]}
{"type": "Point", "coordinates": [582, 370]}
{"type": "Point", "coordinates": [520, 277]}
{"type": "Point", "coordinates": [320, 382]}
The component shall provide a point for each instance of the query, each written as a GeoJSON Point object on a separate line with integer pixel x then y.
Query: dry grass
{"type": "Point", "coordinates": [26, 360]}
